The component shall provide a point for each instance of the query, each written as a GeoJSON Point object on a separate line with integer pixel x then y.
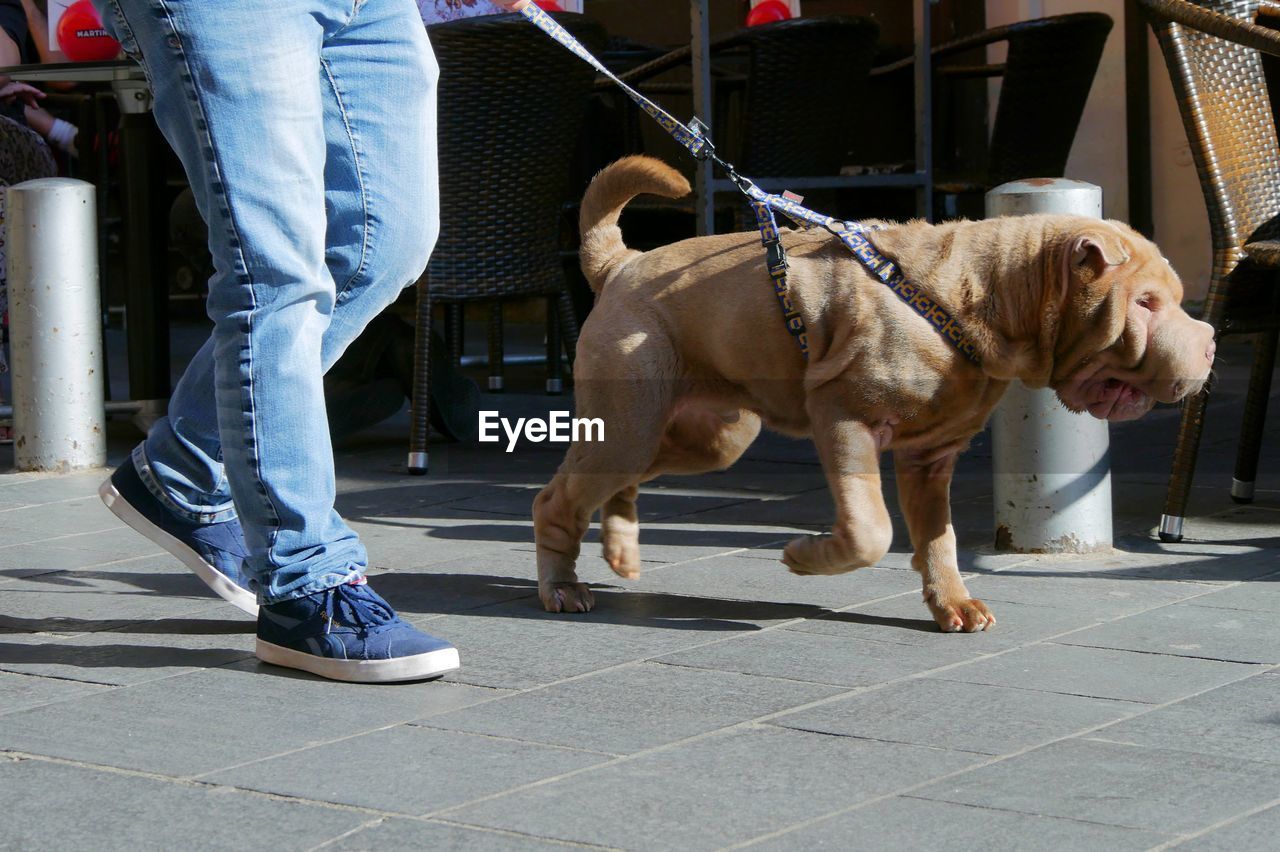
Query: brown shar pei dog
{"type": "Point", "coordinates": [686, 356]}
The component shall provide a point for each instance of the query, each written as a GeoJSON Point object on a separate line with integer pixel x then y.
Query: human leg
{"type": "Point", "coordinates": [279, 161]}
{"type": "Point", "coordinates": [293, 134]}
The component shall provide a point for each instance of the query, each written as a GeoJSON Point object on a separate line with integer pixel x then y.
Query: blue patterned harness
{"type": "Point", "coordinates": [694, 138]}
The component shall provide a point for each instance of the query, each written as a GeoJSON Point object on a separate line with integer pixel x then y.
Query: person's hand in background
{"type": "Point", "coordinates": [512, 5]}
{"type": "Point", "coordinates": [11, 90]}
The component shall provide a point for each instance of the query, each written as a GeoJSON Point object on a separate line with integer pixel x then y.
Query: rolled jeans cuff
{"type": "Point", "coordinates": [269, 593]}
{"type": "Point", "coordinates": [216, 514]}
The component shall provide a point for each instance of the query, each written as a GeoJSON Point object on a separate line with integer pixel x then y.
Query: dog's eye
{"type": "Point", "coordinates": [1148, 302]}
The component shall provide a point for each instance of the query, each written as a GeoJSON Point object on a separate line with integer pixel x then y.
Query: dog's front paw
{"type": "Point", "coordinates": [567, 597]}
{"type": "Point", "coordinates": [965, 614]}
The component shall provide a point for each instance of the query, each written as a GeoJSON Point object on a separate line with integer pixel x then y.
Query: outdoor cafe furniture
{"type": "Point", "coordinates": [1211, 48]}
{"type": "Point", "coordinates": [507, 164]}
{"type": "Point", "coordinates": [777, 112]}
{"type": "Point", "coordinates": [1044, 83]}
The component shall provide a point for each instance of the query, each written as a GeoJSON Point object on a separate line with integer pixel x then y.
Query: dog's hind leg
{"type": "Point", "coordinates": [850, 455]}
{"type": "Point", "coordinates": [634, 409]}
{"type": "Point", "coordinates": [700, 439]}
{"type": "Point", "coordinates": [620, 533]}
{"type": "Point", "coordinates": [697, 439]}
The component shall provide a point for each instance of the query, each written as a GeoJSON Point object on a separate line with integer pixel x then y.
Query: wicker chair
{"type": "Point", "coordinates": [784, 94]}
{"type": "Point", "coordinates": [512, 107]}
{"type": "Point", "coordinates": [1046, 79]}
{"type": "Point", "coordinates": [1212, 51]}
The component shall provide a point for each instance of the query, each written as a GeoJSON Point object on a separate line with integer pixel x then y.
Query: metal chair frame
{"type": "Point", "coordinates": [1214, 54]}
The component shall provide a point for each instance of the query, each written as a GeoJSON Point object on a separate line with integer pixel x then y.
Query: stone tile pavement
{"type": "Point", "coordinates": [1128, 700]}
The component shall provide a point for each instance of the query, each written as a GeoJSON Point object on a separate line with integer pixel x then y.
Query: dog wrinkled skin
{"type": "Point", "coordinates": [685, 356]}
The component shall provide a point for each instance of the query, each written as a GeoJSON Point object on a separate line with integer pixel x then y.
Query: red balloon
{"type": "Point", "coordinates": [768, 12]}
{"type": "Point", "coordinates": [81, 36]}
{"type": "Point", "coordinates": [548, 5]}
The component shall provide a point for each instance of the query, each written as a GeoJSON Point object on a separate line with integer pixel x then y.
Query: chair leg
{"type": "Point", "coordinates": [455, 319]}
{"type": "Point", "coordinates": [555, 378]}
{"type": "Point", "coordinates": [1255, 414]}
{"type": "Point", "coordinates": [497, 368]}
{"type": "Point", "coordinates": [568, 325]}
{"type": "Point", "coordinates": [420, 414]}
{"type": "Point", "coordinates": [1184, 466]}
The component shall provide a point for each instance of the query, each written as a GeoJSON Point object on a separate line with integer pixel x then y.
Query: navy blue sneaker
{"type": "Point", "coordinates": [215, 552]}
{"type": "Point", "coordinates": [350, 633]}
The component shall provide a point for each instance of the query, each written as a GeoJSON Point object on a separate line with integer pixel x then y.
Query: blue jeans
{"type": "Point", "coordinates": [307, 131]}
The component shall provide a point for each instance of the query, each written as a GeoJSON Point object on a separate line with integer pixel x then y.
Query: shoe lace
{"type": "Point", "coordinates": [350, 604]}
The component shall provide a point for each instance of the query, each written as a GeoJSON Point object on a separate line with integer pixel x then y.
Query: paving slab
{"type": "Point", "coordinates": [806, 512]}
{"type": "Point", "coordinates": [1261, 595]}
{"type": "Point", "coordinates": [1147, 558]}
{"type": "Point", "coordinates": [102, 597]}
{"type": "Point", "coordinates": [1240, 720]}
{"type": "Point", "coordinates": [714, 792]}
{"type": "Point", "coordinates": [456, 585]}
{"type": "Point", "coordinates": [972, 560]}
{"type": "Point", "coordinates": [757, 474]}
{"type": "Point", "coordinates": [105, 546]}
{"type": "Point", "coordinates": [82, 512]}
{"type": "Point", "coordinates": [21, 692]}
{"type": "Point", "coordinates": [136, 652]}
{"type": "Point", "coordinates": [1107, 597]}
{"type": "Point", "coordinates": [43, 557]}
{"type": "Point", "coordinates": [517, 645]}
{"type": "Point", "coordinates": [1100, 673]}
{"type": "Point", "coordinates": [369, 498]}
{"type": "Point", "coordinates": [1219, 536]}
{"type": "Point", "coordinates": [33, 489]}
{"type": "Point", "coordinates": [57, 806]}
{"type": "Point", "coordinates": [683, 540]}
{"type": "Point", "coordinates": [633, 708]}
{"type": "Point", "coordinates": [442, 534]}
{"type": "Point", "coordinates": [744, 578]}
{"type": "Point", "coordinates": [1187, 630]}
{"type": "Point", "coordinates": [416, 835]}
{"type": "Point", "coordinates": [1155, 789]}
{"type": "Point", "coordinates": [818, 658]}
{"type": "Point", "coordinates": [1256, 831]}
{"type": "Point", "coordinates": [1238, 525]}
{"type": "Point", "coordinates": [906, 620]}
{"type": "Point", "coordinates": [195, 723]}
{"type": "Point", "coordinates": [903, 822]}
{"type": "Point", "coordinates": [653, 503]}
{"type": "Point", "coordinates": [407, 769]}
{"type": "Point", "coordinates": [961, 716]}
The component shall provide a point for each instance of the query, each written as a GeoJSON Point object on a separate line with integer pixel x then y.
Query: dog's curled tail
{"type": "Point", "coordinates": [602, 247]}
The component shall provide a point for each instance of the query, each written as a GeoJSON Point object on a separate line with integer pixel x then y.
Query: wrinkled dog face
{"type": "Point", "coordinates": [1124, 341]}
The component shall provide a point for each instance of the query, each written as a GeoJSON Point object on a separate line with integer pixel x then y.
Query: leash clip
{"type": "Point", "coordinates": [744, 184]}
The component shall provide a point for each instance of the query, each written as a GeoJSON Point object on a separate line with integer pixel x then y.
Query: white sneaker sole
{"type": "Point", "coordinates": [418, 667]}
{"type": "Point", "coordinates": [226, 589]}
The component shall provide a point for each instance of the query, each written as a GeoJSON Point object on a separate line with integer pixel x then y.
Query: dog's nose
{"type": "Point", "coordinates": [1209, 353]}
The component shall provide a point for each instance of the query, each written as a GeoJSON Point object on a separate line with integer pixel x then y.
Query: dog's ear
{"type": "Point", "coordinates": [1092, 253]}
{"type": "Point", "coordinates": [1086, 258]}
{"type": "Point", "coordinates": [1093, 257]}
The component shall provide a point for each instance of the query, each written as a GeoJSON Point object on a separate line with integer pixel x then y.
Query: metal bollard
{"type": "Point", "coordinates": [1052, 468]}
{"type": "Point", "coordinates": [56, 324]}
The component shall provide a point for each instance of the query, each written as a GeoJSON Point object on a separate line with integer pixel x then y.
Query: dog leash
{"type": "Point", "coordinates": [695, 138]}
